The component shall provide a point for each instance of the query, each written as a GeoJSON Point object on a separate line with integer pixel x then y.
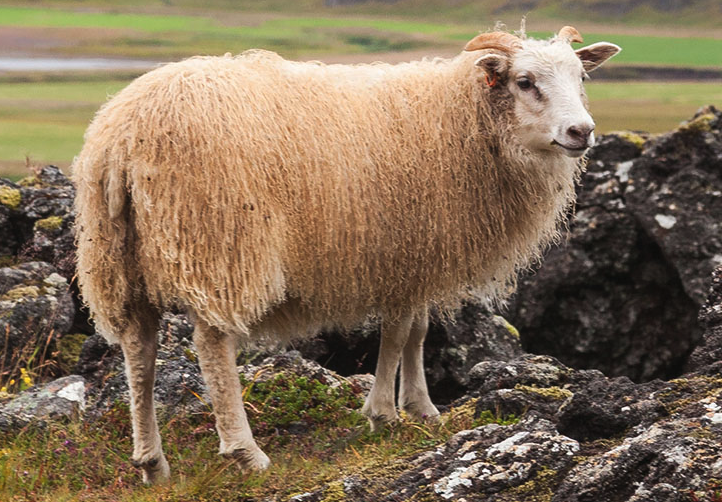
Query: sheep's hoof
{"type": "Point", "coordinates": [155, 470]}
{"type": "Point", "coordinates": [422, 412]}
{"type": "Point", "coordinates": [378, 419]}
{"type": "Point", "coordinates": [251, 459]}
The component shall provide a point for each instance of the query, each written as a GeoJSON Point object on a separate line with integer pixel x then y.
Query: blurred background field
{"type": "Point", "coordinates": [672, 52]}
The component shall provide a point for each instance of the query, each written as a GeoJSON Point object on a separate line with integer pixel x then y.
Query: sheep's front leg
{"type": "Point", "coordinates": [216, 354]}
{"type": "Point", "coordinates": [380, 404]}
{"type": "Point", "coordinates": [413, 393]}
{"type": "Point", "coordinates": [138, 342]}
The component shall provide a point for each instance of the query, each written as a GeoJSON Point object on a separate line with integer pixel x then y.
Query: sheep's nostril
{"type": "Point", "coordinates": [580, 133]}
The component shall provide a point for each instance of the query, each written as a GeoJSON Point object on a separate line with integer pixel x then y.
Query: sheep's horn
{"type": "Point", "coordinates": [570, 34]}
{"type": "Point", "coordinates": [504, 42]}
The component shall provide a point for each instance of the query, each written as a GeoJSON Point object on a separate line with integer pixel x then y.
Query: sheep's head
{"type": "Point", "coordinates": [545, 79]}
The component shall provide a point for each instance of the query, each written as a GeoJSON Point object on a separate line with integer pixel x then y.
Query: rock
{"type": "Point", "coordinates": [709, 351]}
{"type": "Point", "coordinates": [584, 404]}
{"type": "Point", "coordinates": [675, 191]}
{"type": "Point", "coordinates": [61, 398]}
{"type": "Point", "coordinates": [96, 355]}
{"type": "Point", "coordinates": [35, 307]}
{"type": "Point", "coordinates": [622, 293]}
{"type": "Point", "coordinates": [41, 223]}
{"type": "Point", "coordinates": [580, 437]}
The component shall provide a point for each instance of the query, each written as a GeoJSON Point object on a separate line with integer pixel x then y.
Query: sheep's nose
{"type": "Point", "coordinates": [581, 134]}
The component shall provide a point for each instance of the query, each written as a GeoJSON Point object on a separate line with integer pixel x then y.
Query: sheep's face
{"type": "Point", "coordinates": [545, 79]}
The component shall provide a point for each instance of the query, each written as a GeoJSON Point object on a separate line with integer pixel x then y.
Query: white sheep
{"type": "Point", "coordinates": [273, 199]}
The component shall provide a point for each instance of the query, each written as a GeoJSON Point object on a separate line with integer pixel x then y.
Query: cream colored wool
{"type": "Point", "coordinates": [274, 197]}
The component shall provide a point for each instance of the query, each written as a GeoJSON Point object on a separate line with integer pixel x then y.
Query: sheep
{"type": "Point", "coordinates": [273, 199]}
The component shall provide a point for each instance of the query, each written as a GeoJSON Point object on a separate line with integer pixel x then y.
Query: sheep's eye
{"type": "Point", "coordinates": [585, 77]}
{"type": "Point", "coordinates": [524, 83]}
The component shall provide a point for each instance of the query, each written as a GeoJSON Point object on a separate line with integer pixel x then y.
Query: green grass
{"type": "Point", "coordinates": [169, 36]}
{"type": "Point", "coordinates": [648, 106]}
{"type": "Point", "coordinates": [657, 50]}
{"type": "Point", "coordinates": [160, 36]}
{"type": "Point", "coordinates": [45, 121]}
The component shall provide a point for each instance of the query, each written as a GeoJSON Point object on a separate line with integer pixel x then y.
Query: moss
{"type": "Point", "coordinates": [10, 197]}
{"type": "Point", "coordinates": [703, 123]}
{"type": "Point", "coordinates": [50, 223]}
{"type": "Point", "coordinates": [8, 260]}
{"type": "Point", "coordinates": [334, 492]}
{"type": "Point", "coordinates": [555, 393]}
{"type": "Point", "coordinates": [689, 391]}
{"type": "Point", "coordinates": [30, 181]}
{"type": "Point", "coordinates": [538, 489]}
{"type": "Point", "coordinates": [69, 347]}
{"type": "Point", "coordinates": [21, 292]}
{"type": "Point", "coordinates": [509, 327]}
{"type": "Point", "coordinates": [633, 138]}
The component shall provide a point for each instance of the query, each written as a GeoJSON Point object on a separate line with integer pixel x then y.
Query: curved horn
{"type": "Point", "coordinates": [570, 34]}
{"type": "Point", "coordinates": [504, 42]}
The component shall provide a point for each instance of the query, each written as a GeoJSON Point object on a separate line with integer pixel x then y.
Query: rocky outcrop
{"type": "Point", "coordinates": [622, 293]}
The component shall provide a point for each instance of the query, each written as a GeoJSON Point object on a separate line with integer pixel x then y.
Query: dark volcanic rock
{"type": "Point", "coordinates": [675, 191]}
{"type": "Point", "coordinates": [581, 437]}
{"type": "Point", "coordinates": [36, 219]}
{"type": "Point", "coordinates": [622, 293]}
{"type": "Point", "coordinates": [710, 317]}
{"type": "Point", "coordinates": [584, 404]}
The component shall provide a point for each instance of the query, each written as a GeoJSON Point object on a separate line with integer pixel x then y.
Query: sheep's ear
{"type": "Point", "coordinates": [594, 55]}
{"type": "Point", "coordinates": [495, 65]}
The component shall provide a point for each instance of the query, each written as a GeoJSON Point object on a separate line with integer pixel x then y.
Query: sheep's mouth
{"type": "Point", "coordinates": [571, 151]}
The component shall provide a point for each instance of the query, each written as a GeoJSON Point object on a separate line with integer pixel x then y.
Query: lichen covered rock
{"type": "Point", "coordinates": [621, 294]}
{"type": "Point", "coordinates": [35, 307]}
{"type": "Point", "coordinates": [63, 398]}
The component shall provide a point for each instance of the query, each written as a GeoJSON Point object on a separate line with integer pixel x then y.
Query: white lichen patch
{"type": "Point", "coordinates": [506, 445]}
{"type": "Point", "coordinates": [665, 221]}
{"type": "Point", "coordinates": [469, 456]}
{"type": "Point", "coordinates": [447, 485]}
{"type": "Point", "coordinates": [622, 171]}
{"type": "Point", "coordinates": [74, 392]}
{"type": "Point", "coordinates": [55, 280]}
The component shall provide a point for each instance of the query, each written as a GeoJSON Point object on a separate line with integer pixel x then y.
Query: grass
{"type": "Point", "coordinates": [171, 36]}
{"type": "Point", "coordinates": [658, 50]}
{"type": "Point", "coordinates": [90, 461]}
{"type": "Point", "coordinates": [45, 121]}
{"type": "Point", "coordinates": [648, 106]}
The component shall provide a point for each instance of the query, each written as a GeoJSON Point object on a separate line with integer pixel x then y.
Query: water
{"type": "Point", "coordinates": [72, 64]}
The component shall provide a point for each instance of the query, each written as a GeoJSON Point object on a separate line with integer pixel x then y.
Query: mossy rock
{"type": "Point", "coordinates": [30, 182]}
{"type": "Point", "coordinates": [554, 393]}
{"type": "Point", "coordinates": [703, 123]}
{"type": "Point", "coordinates": [509, 326]}
{"type": "Point", "coordinates": [21, 292]}
{"type": "Point", "coordinates": [49, 224]}
{"type": "Point", "coordinates": [69, 347]}
{"type": "Point", "coordinates": [631, 137]}
{"type": "Point", "coordinates": [10, 197]}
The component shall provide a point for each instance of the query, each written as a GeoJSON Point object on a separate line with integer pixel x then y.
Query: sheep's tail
{"type": "Point", "coordinates": [107, 273]}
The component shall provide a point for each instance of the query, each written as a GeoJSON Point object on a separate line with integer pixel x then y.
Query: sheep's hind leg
{"type": "Point", "coordinates": [217, 357]}
{"type": "Point", "coordinates": [380, 405]}
{"type": "Point", "coordinates": [413, 393]}
{"type": "Point", "coordinates": [138, 341]}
